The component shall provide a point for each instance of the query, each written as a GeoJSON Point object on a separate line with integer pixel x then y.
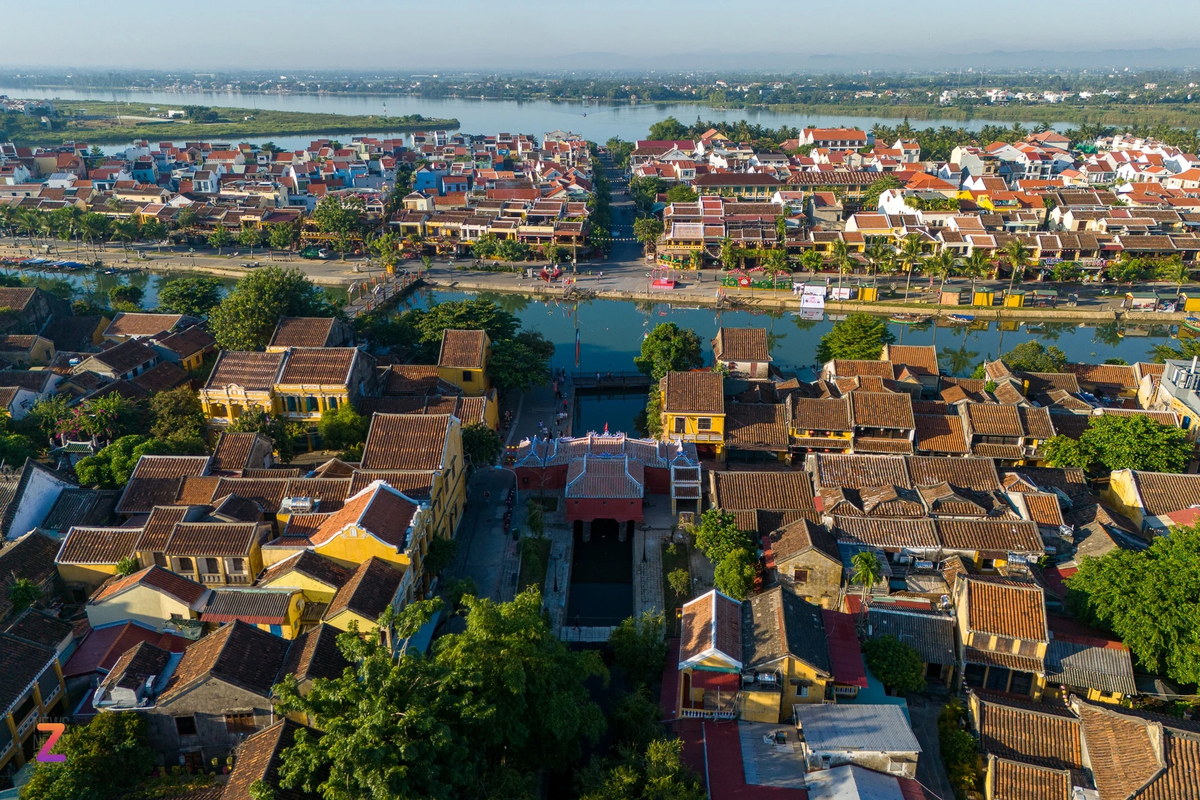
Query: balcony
{"type": "Point", "coordinates": [211, 578]}
{"type": "Point", "coordinates": [30, 720]}
{"type": "Point", "coordinates": [238, 577]}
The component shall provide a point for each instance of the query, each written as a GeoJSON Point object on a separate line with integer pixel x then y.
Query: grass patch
{"type": "Point", "coordinates": [673, 557]}
{"type": "Point", "coordinates": [535, 558]}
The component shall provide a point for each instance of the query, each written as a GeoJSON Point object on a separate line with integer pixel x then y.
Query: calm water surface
{"type": "Point", "coordinates": [596, 122]}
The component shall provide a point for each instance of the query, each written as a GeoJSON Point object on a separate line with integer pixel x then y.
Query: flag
{"type": "Point", "coordinates": [606, 427]}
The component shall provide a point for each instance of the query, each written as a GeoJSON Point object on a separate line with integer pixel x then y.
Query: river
{"type": "Point", "coordinates": [596, 122]}
{"type": "Point", "coordinates": [611, 331]}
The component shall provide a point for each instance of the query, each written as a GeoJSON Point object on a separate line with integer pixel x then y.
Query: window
{"type": "Point", "coordinates": [235, 410]}
{"type": "Point", "coordinates": [212, 565]}
{"type": "Point", "coordinates": [313, 405]}
{"type": "Point", "coordinates": [704, 424]}
{"type": "Point", "coordinates": [467, 376]}
{"type": "Point", "coordinates": [332, 403]}
{"type": "Point", "coordinates": [800, 575]}
{"type": "Point", "coordinates": [242, 723]}
{"type": "Point", "coordinates": [988, 564]}
{"type": "Point", "coordinates": [997, 679]}
{"type": "Point", "coordinates": [237, 565]}
{"type": "Point", "coordinates": [217, 410]}
{"type": "Point", "coordinates": [183, 565]}
{"type": "Point", "coordinates": [1022, 683]}
{"type": "Point", "coordinates": [973, 675]}
{"type": "Point", "coordinates": [802, 691]}
{"type": "Point", "coordinates": [185, 726]}
{"type": "Point", "coordinates": [680, 422]}
{"type": "Point", "coordinates": [292, 404]}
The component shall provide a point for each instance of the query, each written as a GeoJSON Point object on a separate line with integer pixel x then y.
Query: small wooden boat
{"type": "Point", "coordinates": [960, 319]}
{"type": "Point", "coordinates": [1192, 324]}
{"type": "Point", "coordinates": [909, 319]}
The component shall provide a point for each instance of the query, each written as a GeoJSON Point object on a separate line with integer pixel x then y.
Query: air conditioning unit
{"type": "Point", "coordinates": [300, 505]}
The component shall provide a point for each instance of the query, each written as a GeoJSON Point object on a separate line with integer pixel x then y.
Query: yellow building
{"type": "Point", "coordinates": [1003, 636]}
{"type": "Point", "coordinates": [89, 556]}
{"type": "Point", "coordinates": [23, 351]}
{"type": "Point", "coordinates": [277, 611]}
{"type": "Point", "coordinates": [427, 450]}
{"type": "Point", "coordinates": [463, 361]}
{"type": "Point", "coordinates": [693, 410]}
{"type": "Point", "coordinates": [820, 423]}
{"type": "Point", "coordinates": [31, 691]}
{"type": "Point", "coordinates": [378, 522]}
{"type": "Point", "coordinates": [319, 379]}
{"type": "Point", "coordinates": [240, 381]}
{"type": "Point", "coordinates": [153, 596]}
{"type": "Point", "coordinates": [318, 577]}
{"type": "Point", "coordinates": [217, 553]}
{"type": "Point", "coordinates": [754, 659]}
{"type": "Point", "coordinates": [1152, 499]}
{"type": "Point", "coordinates": [374, 586]}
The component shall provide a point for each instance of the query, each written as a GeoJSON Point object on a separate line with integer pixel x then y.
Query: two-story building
{"type": "Point", "coordinates": [240, 381]}
{"type": "Point", "coordinates": [463, 361]}
{"type": "Point", "coordinates": [693, 410]}
{"type": "Point", "coordinates": [1002, 635]}
{"type": "Point", "coordinates": [743, 351]}
{"type": "Point", "coordinates": [217, 553]}
{"type": "Point", "coordinates": [314, 380]}
{"type": "Point", "coordinates": [152, 596]}
{"type": "Point", "coordinates": [32, 691]}
{"type": "Point", "coordinates": [276, 611]}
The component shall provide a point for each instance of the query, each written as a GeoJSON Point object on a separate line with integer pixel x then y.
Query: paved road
{"type": "Point", "coordinates": [484, 551]}
{"type": "Point", "coordinates": [923, 711]}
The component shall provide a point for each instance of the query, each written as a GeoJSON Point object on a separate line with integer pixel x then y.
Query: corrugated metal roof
{"type": "Point", "coordinates": [877, 728]}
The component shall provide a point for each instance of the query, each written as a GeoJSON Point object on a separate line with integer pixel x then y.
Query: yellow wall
{"type": "Point", "coordinates": [302, 393]}
{"type": "Point", "coordinates": [342, 622]}
{"type": "Point", "coordinates": [90, 575]}
{"type": "Point", "coordinates": [220, 407]}
{"type": "Point", "coordinates": [314, 591]}
{"type": "Point", "coordinates": [254, 565]}
{"type": "Point", "coordinates": [290, 629]}
{"type": "Point", "coordinates": [352, 547]}
{"type": "Point", "coordinates": [1122, 494]}
{"type": "Point", "coordinates": [478, 385]}
{"type": "Point", "coordinates": [139, 604]}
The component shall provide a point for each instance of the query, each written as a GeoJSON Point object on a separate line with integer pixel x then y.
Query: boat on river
{"type": "Point", "coordinates": [910, 319]}
{"type": "Point", "coordinates": [1192, 324]}
{"type": "Point", "coordinates": [960, 319]}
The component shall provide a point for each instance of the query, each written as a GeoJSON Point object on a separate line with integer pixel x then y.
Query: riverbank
{"type": "Point", "coordinates": [766, 301]}
{"type": "Point", "coordinates": [108, 122]}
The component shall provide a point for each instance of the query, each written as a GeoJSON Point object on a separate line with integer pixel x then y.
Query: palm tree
{"type": "Point", "coordinates": [843, 262]}
{"type": "Point", "coordinates": [975, 266]}
{"type": "Point", "coordinates": [125, 231]}
{"type": "Point", "coordinates": [775, 264]}
{"type": "Point", "coordinates": [29, 220]}
{"type": "Point", "coordinates": [729, 253]}
{"type": "Point", "coordinates": [910, 256]}
{"type": "Point", "coordinates": [1018, 258]}
{"type": "Point", "coordinates": [811, 260]}
{"type": "Point", "coordinates": [878, 254]}
{"type": "Point", "coordinates": [866, 573]}
{"type": "Point", "coordinates": [944, 265]}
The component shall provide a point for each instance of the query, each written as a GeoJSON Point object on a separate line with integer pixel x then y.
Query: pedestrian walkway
{"type": "Point", "coordinates": [647, 575]}
{"type": "Point", "coordinates": [558, 575]}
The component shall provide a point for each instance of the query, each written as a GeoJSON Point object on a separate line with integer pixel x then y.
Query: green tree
{"type": "Point", "coordinates": [870, 198]}
{"type": "Point", "coordinates": [858, 336]}
{"type": "Point", "coordinates": [896, 664]}
{"type": "Point", "coordinates": [333, 215]}
{"type": "Point", "coordinates": [1113, 442]}
{"type": "Point", "coordinates": [668, 130]}
{"type": "Point", "coordinates": [125, 293]}
{"type": "Point", "coordinates": [680, 582]}
{"type": "Point", "coordinates": [111, 467]}
{"type": "Point", "coordinates": [960, 751]}
{"type": "Point", "coordinates": [282, 236]}
{"type": "Point", "coordinates": [681, 193]}
{"type": "Point", "coordinates": [649, 420]}
{"type": "Point", "coordinates": [841, 259]}
{"type": "Point", "coordinates": [656, 774]}
{"type": "Point", "coordinates": [636, 719]}
{"type": "Point", "coordinates": [192, 296]}
{"type": "Point", "coordinates": [866, 572]}
{"type": "Point", "coordinates": [647, 230]}
{"type": "Point", "coordinates": [1187, 350]}
{"type": "Point", "coordinates": [535, 517]}
{"type": "Point", "coordinates": [910, 257]}
{"type": "Point", "coordinates": [521, 363]}
{"type": "Point", "coordinates": [639, 647]}
{"type": "Point", "coordinates": [342, 428]}
{"type": "Point", "coordinates": [669, 348]}
{"type": "Point", "coordinates": [1148, 598]}
{"type": "Point", "coordinates": [427, 324]}
{"type": "Point", "coordinates": [440, 555]}
{"type": "Point", "coordinates": [1018, 259]}
{"type": "Point", "coordinates": [735, 573]}
{"type": "Point", "coordinates": [250, 236]}
{"type": "Point", "coordinates": [1033, 356]}
{"type": "Point", "coordinates": [22, 594]}
{"type": "Point", "coordinates": [106, 759]}
{"type": "Point", "coordinates": [177, 414]}
{"type": "Point", "coordinates": [220, 238]}
{"type": "Point", "coordinates": [247, 316]}
{"type": "Point", "coordinates": [15, 449]}
{"type": "Point", "coordinates": [717, 535]}
{"type": "Point", "coordinates": [127, 566]}
{"type": "Point", "coordinates": [481, 444]}
{"type": "Point", "coordinates": [275, 427]}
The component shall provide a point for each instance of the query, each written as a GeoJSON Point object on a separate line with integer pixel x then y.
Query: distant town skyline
{"type": "Point", "coordinates": [383, 34]}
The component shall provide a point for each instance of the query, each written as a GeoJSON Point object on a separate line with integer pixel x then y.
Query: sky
{"type": "Point", "coordinates": [614, 34]}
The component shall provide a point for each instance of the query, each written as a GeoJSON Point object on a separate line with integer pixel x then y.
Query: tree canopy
{"type": "Point", "coordinates": [1033, 356]}
{"type": "Point", "coordinates": [192, 296]}
{"type": "Point", "coordinates": [669, 348]}
{"type": "Point", "coordinates": [422, 327]}
{"type": "Point", "coordinates": [482, 444]}
{"type": "Point", "coordinates": [1113, 442]}
{"type": "Point", "coordinates": [639, 647]}
{"type": "Point", "coordinates": [111, 467]}
{"type": "Point", "coordinates": [247, 316]}
{"type": "Point", "coordinates": [480, 716]}
{"type": "Point", "coordinates": [106, 759]}
{"type": "Point", "coordinates": [895, 663]}
{"type": "Point", "coordinates": [857, 337]}
{"type": "Point", "coordinates": [730, 549]}
{"type": "Point", "coordinates": [522, 362]}
{"type": "Point", "coordinates": [1150, 599]}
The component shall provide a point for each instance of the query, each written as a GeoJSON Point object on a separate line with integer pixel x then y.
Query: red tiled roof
{"type": "Point", "coordinates": [155, 577]}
